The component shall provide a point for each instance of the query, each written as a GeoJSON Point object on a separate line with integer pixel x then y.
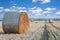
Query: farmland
{"type": "Point", "coordinates": [38, 30]}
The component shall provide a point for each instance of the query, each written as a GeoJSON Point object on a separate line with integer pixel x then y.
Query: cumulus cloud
{"type": "Point", "coordinates": [49, 10]}
{"type": "Point", "coordinates": [13, 8]}
{"type": "Point", "coordinates": [36, 11]}
{"type": "Point", "coordinates": [16, 9]}
{"type": "Point", "coordinates": [42, 1]}
{"type": "Point", "coordinates": [46, 12]}
{"type": "Point", "coordinates": [33, 7]}
{"type": "Point", "coordinates": [32, 12]}
{"type": "Point", "coordinates": [58, 12]}
{"type": "Point", "coordinates": [23, 11]}
{"type": "Point", "coordinates": [6, 10]}
{"type": "Point", "coordinates": [1, 9]}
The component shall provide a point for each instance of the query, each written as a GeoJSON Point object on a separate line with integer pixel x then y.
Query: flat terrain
{"type": "Point", "coordinates": [35, 32]}
{"type": "Point", "coordinates": [38, 30]}
{"type": "Point", "coordinates": [53, 28]}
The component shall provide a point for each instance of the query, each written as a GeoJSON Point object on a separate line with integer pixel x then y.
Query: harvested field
{"type": "Point", "coordinates": [35, 32]}
{"type": "Point", "coordinates": [38, 30]}
{"type": "Point", "coordinates": [54, 30]}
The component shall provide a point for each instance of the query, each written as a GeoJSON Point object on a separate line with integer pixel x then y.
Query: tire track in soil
{"type": "Point", "coordinates": [22, 37]}
{"type": "Point", "coordinates": [53, 32]}
{"type": "Point", "coordinates": [45, 33]}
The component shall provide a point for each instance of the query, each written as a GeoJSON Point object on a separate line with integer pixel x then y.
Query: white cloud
{"type": "Point", "coordinates": [49, 10]}
{"type": "Point", "coordinates": [12, 3]}
{"type": "Point", "coordinates": [46, 12]}
{"type": "Point", "coordinates": [1, 9]}
{"type": "Point", "coordinates": [7, 10]}
{"type": "Point", "coordinates": [23, 11]}
{"type": "Point", "coordinates": [21, 8]}
{"type": "Point", "coordinates": [32, 8]}
{"type": "Point", "coordinates": [35, 11]}
{"type": "Point", "coordinates": [45, 1]}
{"type": "Point", "coordinates": [34, 0]}
{"type": "Point", "coordinates": [58, 12]}
{"type": "Point", "coordinates": [14, 8]}
{"type": "Point", "coordinates": [42, 1]}
{"type": "Point", "coordinates": [17, 8]}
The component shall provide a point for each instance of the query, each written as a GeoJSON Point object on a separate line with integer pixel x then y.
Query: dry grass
{"type": "Point", "coordinates": [35, 30]}
{"type": "Point", "coordinates": [53, 29]}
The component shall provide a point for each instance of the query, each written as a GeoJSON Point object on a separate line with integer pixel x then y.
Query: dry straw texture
{"type": "Point", "coordinates": [15, 22]}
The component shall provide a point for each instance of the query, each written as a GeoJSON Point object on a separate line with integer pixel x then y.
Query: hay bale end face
{"type": "Point", "coordinates": [15, 22]}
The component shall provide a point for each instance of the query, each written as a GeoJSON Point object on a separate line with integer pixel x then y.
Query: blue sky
{"type": "Point", "coordinates": [29, 3]}
{"type": "Point", "coordinates": [34, 8]}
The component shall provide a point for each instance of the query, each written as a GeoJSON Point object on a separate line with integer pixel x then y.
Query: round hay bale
{"type": "Point", "coordinates": [15, 22]}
